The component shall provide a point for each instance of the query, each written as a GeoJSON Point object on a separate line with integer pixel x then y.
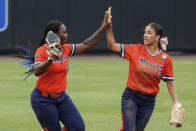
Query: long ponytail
{"type": "Point", "coordinates": [29, 54]}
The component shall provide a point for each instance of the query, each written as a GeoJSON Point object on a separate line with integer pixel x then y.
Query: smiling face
{"type": "Point", "coordinates": [62, 33]}
{"type": "Point", "coordinates": [150, 36]}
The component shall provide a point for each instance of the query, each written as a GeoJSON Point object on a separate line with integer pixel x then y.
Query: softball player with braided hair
{"type": "Point", "coordinates": [148, 64]}
{"type": "Point", "coordinates": [49, 100]}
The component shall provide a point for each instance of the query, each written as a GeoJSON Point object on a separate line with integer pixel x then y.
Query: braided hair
{"type": "Point", "coordinates": [29, 54]}
{"type": "Point", "coordinates": [51, 26]}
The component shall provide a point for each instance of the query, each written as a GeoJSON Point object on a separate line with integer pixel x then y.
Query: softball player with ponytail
{"type": "Point", "coordinates": [49, 100]}
{"type": "Point", "coordinates": [148, 64]}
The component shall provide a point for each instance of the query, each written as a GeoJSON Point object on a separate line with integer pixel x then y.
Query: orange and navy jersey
{"type": "Point", "coordinates": [54, 79]}
{"type": "Point", "coordinates": [146, 69]}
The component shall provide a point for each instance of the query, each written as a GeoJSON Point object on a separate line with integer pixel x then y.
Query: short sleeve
{"type": "Point", "coordinates": [39, 56]}
{"type": "Point", "coordinates": [70, 49]}
{"type": "Point", "coordinates": [168, 70]}
{"type": "Point", "coordinates": [128, 51]}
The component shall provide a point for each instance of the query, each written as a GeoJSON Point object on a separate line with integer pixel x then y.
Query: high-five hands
{"type": "Point", "coordinates": [109, 15]}
{"type": "Point", "coordinates": [107, 18]}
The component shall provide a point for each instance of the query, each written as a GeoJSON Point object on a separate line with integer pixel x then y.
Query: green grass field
{"type": "Point", "coordinates": [96, 87]}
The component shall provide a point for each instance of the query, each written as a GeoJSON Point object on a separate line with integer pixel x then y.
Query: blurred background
{"type": "Point", "coordinates": [26, 20]}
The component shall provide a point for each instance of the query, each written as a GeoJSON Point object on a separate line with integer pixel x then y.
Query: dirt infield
{"type": "Point", "coordinates": [97, 57]}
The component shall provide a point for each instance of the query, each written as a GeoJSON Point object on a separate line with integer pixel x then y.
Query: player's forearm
{"type": "Point", "coordinates": [172, 91]}
{"type": "Point", "coordinates": [39, 69]}
{"type": "Point", "coordinates": [112, 45]}
{"type": "Point", "coordinates": [91, 41]}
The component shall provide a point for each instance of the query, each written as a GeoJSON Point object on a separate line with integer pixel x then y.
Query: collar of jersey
{"type": "Point", "coordinates": [158, 52]}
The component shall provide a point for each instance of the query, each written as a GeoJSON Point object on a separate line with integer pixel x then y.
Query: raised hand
{"type": "Point", "coordinates": [107, 18]}
{"type": "Point", "coordinates": [110, 16]}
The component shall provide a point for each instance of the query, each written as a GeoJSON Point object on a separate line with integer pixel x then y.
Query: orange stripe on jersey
{"type": "Point", "coordinates": [54, 79]}
{"type": "Point", "coordinates": [121, 129]}
{"type": "Point", "coordinates": [64, 129]}
{"type": "Point", "coordinates": [146, 69]}
{"type": "Point", "coordinates": [45, 129]}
